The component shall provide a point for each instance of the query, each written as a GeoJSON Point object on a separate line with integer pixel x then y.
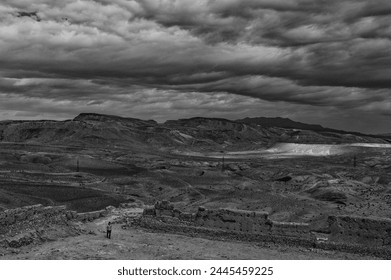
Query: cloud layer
{"type": "Point", "coordinates": [318, 61]}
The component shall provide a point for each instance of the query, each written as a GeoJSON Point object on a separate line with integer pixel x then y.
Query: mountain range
{"type": "Point", "coordinates": [90, 129]}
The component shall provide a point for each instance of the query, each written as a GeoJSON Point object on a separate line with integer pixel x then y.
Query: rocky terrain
{"type": "Point", "coordinates": [296, 173]}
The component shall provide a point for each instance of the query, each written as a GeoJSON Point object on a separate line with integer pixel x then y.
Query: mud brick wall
{"type": "Point", "coordinates": [90, 216]}
{"type": "Point", "coordinates": [12, 216]}
{"type": "Point", "coordinates": [360, 230]}
{"type": "Point", "coordinates": [149, 211]}
{"type": "Point", "coordinates": [342, 229]}
{"type": "Point", "coordinates": [224, 219]}
{"type": "Point", "coordinates": [233, 220]}
{"type": "Point", "coordinates": [163, 208]}
{"type": "Point", "coordinates": [252, 222]}
{"type": "Point", "coordinates": [299, 230]}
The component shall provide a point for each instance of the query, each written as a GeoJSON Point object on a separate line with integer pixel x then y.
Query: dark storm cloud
{"type": "Point", "coordinates": [162, 55]}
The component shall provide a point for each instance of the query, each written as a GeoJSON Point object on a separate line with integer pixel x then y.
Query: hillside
{"type": "Point", "coordinates": [290, 124]}
{"type": "Point", "coordinates": [229, 132]}
{"type": "Point", "coordinates": [281, 122]}
{"type": "Point", "coordinates": [97, 130]}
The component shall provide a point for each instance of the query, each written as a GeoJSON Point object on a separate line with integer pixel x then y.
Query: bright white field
{"type": "Point", "coordinates": [281, 150]}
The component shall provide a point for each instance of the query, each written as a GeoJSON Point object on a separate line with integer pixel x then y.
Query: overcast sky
{"type": "Point", "coordinates": [316, 61]}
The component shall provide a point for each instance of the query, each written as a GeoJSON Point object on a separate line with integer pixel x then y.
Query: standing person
{"type": "Point", "coordinates": [108, 230]}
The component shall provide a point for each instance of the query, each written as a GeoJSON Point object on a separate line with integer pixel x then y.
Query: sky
{"type": "Point", "coordinates": [316, 61]}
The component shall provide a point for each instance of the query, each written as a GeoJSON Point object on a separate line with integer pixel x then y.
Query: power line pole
{"type": "Point", "coordinates": [222, 165]}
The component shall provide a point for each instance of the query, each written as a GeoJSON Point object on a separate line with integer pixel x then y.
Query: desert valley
{"type": "Point", "coordinates": [176, 189]}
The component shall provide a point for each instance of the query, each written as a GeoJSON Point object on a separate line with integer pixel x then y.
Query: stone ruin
{"type": "Point", "coordinates": [360, 230]}
{"type": "Point", "coordinates": [11, 216]}
{"type": "Point", "coordinates": [20, 226]}
{"type": "Point", "coordinates": [341, 231]}
{"type": "Point", "coordinates": [25, 225]}
{"type": "Point", "coordinates": [228, 220]}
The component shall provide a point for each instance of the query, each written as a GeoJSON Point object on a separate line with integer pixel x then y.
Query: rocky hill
{"type": "Point", "coordinates": [281, 122]}
{"type": "Point", "coordinates": [264, 132]}
{"type": "Point", "coordinates": [290, 124]}
{"type": "Point", "coordinates": [89, 129]}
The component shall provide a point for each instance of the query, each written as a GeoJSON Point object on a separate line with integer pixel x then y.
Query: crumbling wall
{"type": "Point", "coordinates": [25, 225]}
{"type": "Point", "coordinates": [37, 223]}
{"type": "Point", "coordinates": [12, 216]}
{"type": "Point", "coordinates": [341, 229]}
{"type": "Point", "coordinates": [163, 208]}
{"type": "Point", "coordinates": [241, 221]}
{"type": "Point", "coordinates": [299, 230]}
{"type": "Point", "coordinates": [233, 220]}
{"type": "Point", "coordinates": [360, 230]}
{"type": "Point", "coordinates": [90, 216]}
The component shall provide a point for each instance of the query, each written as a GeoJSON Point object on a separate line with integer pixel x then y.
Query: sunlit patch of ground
{"type": "Point", "coordinates": [282, 150]}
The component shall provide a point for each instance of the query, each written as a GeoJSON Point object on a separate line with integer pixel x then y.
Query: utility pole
{"type": "Point", "coordinates": [222, 165]}
{"type": "Point", "coordinates": [77, 166]}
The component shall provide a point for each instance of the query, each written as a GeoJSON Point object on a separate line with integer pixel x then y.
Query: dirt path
{"type": "Point", "coordinates": [187, 189]}
{"type": "Point", "coordinates": [136, 243]}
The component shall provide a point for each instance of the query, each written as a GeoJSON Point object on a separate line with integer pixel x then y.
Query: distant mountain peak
{"type": "Point", "coordinates": [106, 118]}
{"type": "Point", "coordinates": [281, 122]}
{"type": "Point", "coordinates": [211, 123]}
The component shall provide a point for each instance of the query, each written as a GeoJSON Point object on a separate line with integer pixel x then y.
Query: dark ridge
{"type": "Point", "coordinates": [199, 120]}
{"type": "Point", "coordinates": [203, 119]}
{"type": "Point", "coordinates": [28, 121]}
{"type": "Point", "coordinates": [104, 117]}
{"type": "Point", "coordinates": [290, 124]}
{"type": "Point", "coordinates": [281, 122]}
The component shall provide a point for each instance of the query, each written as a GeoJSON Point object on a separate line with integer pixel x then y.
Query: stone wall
{"type": "Point", "coordinates": [12, 216]}
{"type": "Point", "coordinates": [361, 230]}
{"type": "Point", "coordinates": [233, 220]}
{"type": "Point", "coordinates": [90, 216]}
{"type": "Point", "coordinates": [240, 221]}
{"type": "Point", "coordinates": [298, 230]}
{"type": "Point", "coordinates": [33, 224]}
